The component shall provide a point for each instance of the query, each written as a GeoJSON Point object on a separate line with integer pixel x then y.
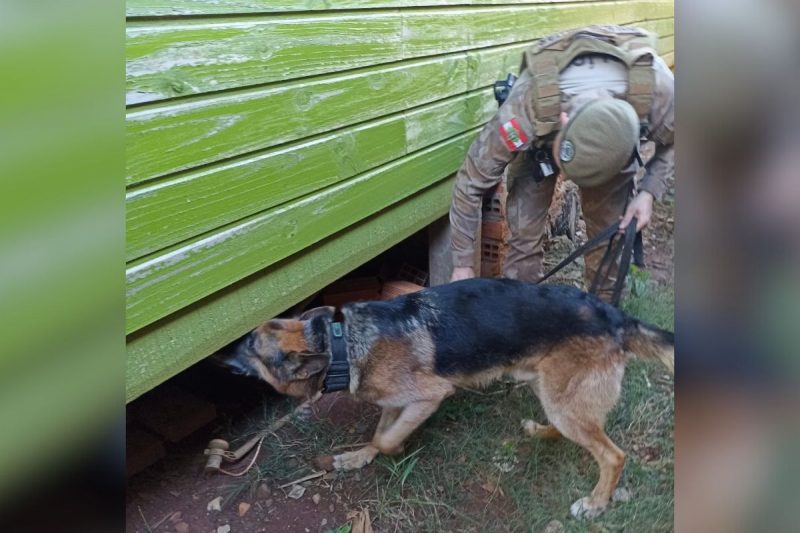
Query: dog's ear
{"type": "Point", "coordinates": [285, 324]}
{"type": "Point", "coordinates": [326, 311]}
{"type": "Point", "coordinates": [305, 365]}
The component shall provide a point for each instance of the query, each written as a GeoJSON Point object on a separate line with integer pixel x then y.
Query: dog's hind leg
{"type": "Point", "coordinates": [577, 390]}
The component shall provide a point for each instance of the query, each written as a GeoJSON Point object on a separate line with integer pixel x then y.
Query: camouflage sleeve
{"type": "Point", "coordinates": [509, 132]}
{"type": "Point", "coordinates": [662, 127]}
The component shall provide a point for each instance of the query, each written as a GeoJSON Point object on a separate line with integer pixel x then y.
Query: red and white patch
{"type": "Point", "coordinates": [512, 135]}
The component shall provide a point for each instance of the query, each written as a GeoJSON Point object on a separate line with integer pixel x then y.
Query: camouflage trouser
{"type": "Point", "coordinates": [526, 210]}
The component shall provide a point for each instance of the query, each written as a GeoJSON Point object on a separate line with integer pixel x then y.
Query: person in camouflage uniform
{"type": "Point", "coordinates": [598, 151]}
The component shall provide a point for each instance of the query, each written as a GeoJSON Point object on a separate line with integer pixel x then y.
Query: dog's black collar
{"type": "Point", "coordinates": [338, 376]}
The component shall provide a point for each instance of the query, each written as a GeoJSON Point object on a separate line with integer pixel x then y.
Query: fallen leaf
{"type": "Point", "coordinates": [324, 462]}
{"type": "Point", "coordinates": [331, 508]}
{"type": "Point", "coordinates": [176, 517]}
{"type": "Point", "coordinates": [215, 504]}
{"type": "Point", "coordinates": [297, 492]}
{"type": "Point", "coordinates": [243, 508]}
{"type": "Point", "coordinates": [491, 487]}
{"type": "Point", "coordinates": [361, 521]}
{"type": "Point", "coordinates": [224, 529]}
{"type": "Point", "coordinates": [316, 498]}
{"type": "Point", "coordinates": [181, 527]}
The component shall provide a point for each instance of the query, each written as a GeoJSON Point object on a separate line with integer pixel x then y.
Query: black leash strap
{"type": "Point", "coordinates": [338, 376]}
{"type": "Point", "coordinates": [618, 246]}
{"type": "Point", "coordinates": [603, 236]}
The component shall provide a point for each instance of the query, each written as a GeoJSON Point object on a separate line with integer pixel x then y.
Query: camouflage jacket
{"type": "Point", "coordinates": [490, 153]}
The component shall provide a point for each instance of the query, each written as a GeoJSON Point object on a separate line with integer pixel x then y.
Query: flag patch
{"type": "Point", "coordinates": [512, 134]}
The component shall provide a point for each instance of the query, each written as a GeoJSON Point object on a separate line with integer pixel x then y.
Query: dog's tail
{"type": "Point", "coordinates": [649, 342]}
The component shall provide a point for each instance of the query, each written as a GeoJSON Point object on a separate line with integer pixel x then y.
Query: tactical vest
{"type": "Point", "coordinates": [551, 55]}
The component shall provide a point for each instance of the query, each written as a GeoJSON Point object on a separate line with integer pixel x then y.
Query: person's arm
{"type": "Point", "coordinates": [661, 166]}
{"type": "Point", "coordinates": [509, 132]}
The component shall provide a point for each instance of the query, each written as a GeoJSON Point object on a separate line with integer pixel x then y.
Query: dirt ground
{"type": "Point", "coordinates": [175, 496]}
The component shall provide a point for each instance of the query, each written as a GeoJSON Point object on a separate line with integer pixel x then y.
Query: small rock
{"type": "Point", "coordinates": [316, 498]}
{"type": "Point", "coordinates": [224, 529]}
{"type": "Point", "coordinates": [215, 504]}
{"type": "Point", "coordinates": [176, 517]}
{"type": "Point", "coordinates": [324, 522]}
{"type": "Point", "coordinates": [181, 527]}
{"type": "Point", "coordinates": [269, 503]}
{"type": "Point", "coordinates": [331, 508]}
{"type": "Point", "coordinates": [297, 492]}
{"type": "Point", "coordinates": [263, 490]}
{"type": "Point", "coordinates": [554, 526]}
{"type": "Point", "coordinates": [243, 508]}
{"type": "Point", "coordinates": [621, 495]}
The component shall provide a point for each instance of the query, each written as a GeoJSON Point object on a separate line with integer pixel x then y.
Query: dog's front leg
{"type": "Point", "coordinates": [391, 439]}
{"type": "Point", "coordinates": [362, 457]}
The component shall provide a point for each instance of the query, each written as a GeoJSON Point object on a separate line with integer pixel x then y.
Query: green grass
{"type": "Point", "coordinates": [470, 468]}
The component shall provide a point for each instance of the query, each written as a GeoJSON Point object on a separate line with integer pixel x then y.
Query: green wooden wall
{"type": "Point", "coordinates": [274, 145]}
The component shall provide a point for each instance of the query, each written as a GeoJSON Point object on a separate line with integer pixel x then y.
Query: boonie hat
{"type": "Point", "coordinates": [599, 141]}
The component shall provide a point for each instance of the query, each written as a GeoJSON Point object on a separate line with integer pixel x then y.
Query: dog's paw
{"type": "Point", "coordinates": [530, 427]}
{"type": "Point", "coordinates": [583, 508]}
{"type": "Point", "coordinates": [353, 460]}
{"type": "Point", "coordinates": [539, 431]}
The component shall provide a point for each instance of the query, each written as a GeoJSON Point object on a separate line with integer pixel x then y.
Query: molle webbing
{"type": "Point", "coordinates": [551, 55]}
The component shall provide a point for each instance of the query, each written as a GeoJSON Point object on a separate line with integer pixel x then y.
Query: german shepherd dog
{"type": "Point", "coordinates": [410, 353]}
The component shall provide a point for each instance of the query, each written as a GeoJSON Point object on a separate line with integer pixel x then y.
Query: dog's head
{"type": "Point", "coordinates": [289, 354]}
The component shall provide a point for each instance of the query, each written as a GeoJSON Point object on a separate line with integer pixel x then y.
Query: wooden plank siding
{"type": "Point", "coordinates": [274, 145]}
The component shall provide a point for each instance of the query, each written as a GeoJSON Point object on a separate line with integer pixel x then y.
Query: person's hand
{"type": "Point", "coordinates": [460, 273]}
{"type": "Point", "coordinates": [640, 207]}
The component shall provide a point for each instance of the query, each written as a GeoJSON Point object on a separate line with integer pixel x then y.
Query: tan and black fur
{"type": "Point", "coordinates": [408, 354]}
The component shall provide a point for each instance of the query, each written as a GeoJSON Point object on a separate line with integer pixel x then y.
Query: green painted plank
{"type": "Point", "coordinates": [174, 278]}
{"type": "Point", "coordinates": [156, 8]}
{"type": "Point", "coordinates": [169, 138]}
{"type": "Point", "coordinates": [452, 30]}
{"type": "Point", "coordinates": [172, 344]}
{"type": "Point", "coordinates": [168, 59]}
{"type": "Point", "coordinates": [161, 214]}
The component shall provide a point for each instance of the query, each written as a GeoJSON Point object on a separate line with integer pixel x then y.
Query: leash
{"type": "Point", "coordinates": [217, 450]}
{"type": "Point", "coordinates": [619, 246]}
